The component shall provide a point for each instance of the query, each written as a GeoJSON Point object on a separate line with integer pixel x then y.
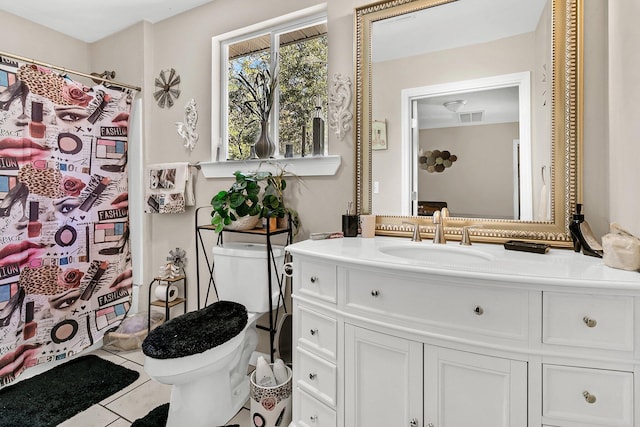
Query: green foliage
{"type": "Point", "coordinates": [247, 197]}
{"type": "Point", "coordinates": [303, 78]}
{"type": "Point", "coordinates": [243, 127]}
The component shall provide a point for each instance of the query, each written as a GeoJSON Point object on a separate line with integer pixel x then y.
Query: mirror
{"type": "Point", "coordinates": [474, 105]}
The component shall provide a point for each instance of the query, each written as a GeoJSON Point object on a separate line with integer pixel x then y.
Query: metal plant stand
{"type": "Point", "coordinates": [266, 233]}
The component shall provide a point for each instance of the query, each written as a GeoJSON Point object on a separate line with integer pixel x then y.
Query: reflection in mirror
{"type": "Point", "coordinates": [487, 123]}
{"type": "Point", "coordinates": [492, 81]}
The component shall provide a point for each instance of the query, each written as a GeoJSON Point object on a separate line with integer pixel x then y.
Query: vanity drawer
{"type": "Point", "coordinates": [317, 377]}
{"type": "Point", "coordinates": [491, 311]}
{"type": "Point", "coordinates": [595, 321]}
{"type": "Point", "coordinates": [317, 333]}
{"type": "Point", "coordinates": [317, 279]}
{"type": "Point", "coordinates": [587, 395]}
{"type": "Point", "coordinates": [313, 413]}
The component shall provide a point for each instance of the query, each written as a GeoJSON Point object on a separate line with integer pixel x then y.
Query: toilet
{"type": "Point", "coordinates": [205, 354]}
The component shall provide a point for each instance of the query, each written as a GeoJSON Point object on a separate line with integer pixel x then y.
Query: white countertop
{"type": "Point", "coordinates": [557, 267]}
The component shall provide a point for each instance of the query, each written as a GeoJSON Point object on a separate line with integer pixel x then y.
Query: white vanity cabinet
{"type": "Point", "coordinates": [315, 339]}
{"type": "Point", "coordinates": [590, 326]}
{"type": "Point", "coordinates": [522, 340]}
{"type": "Point", "coordinates": [383, 379]}
{"type": "Point", "coordinates": [391, 381]}
{"type": "Point", "coordinates": [469, 389]}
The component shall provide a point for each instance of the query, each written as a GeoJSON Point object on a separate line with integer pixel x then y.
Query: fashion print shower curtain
{"type": "Point", "coordinates": [65, 264]}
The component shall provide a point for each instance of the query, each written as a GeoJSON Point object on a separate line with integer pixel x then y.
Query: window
{"type": "Point", "coordinates": [300, 49]}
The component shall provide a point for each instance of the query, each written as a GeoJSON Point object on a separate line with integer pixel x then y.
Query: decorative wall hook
{"type": "Point", "coordinates": [340, 114]}
{"type": "Point", "coordinates": [187, 130]}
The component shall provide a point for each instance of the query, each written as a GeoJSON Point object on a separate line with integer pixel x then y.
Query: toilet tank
{"type": "Point", "coordinates": [240, 272]}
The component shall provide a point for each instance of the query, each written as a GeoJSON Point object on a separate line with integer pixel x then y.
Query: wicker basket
{"type": "Point", "coordinates": [132, 340]}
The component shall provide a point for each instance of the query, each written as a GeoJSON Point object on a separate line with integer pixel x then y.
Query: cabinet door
{"type": "Point", "coordinates": [383, 379]}
{"type": "Point", "coordinates": [466, 389]}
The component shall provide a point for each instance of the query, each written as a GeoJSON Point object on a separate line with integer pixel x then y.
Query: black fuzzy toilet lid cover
{"type": "Point", "coordinates": [196, 331]}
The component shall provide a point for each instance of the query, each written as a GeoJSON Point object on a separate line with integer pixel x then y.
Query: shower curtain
{"type": "Point", "coordinates": [65, 264]}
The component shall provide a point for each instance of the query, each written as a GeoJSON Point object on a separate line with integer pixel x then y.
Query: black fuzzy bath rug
{"type": "Point", "coordinates": [62, 392]}
{"type": "Point", "coordinates": [158, 418]}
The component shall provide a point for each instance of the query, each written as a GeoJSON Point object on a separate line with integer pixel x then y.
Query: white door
{"type": "Point", "coordinates": [383, 379]}
{"type": "Point", "coordinates": [465, 389]}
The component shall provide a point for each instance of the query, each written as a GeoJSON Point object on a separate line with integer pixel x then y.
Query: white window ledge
{"type": "Point", "coordinates": [300, 166]}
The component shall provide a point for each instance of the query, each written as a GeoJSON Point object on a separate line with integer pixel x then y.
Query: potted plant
{"type": "Point", "coordinates": [253, 195]}
{"type": "Point", "coordinates": [261, 90]}
{"type": "Point", "coordinates": [273, 199]}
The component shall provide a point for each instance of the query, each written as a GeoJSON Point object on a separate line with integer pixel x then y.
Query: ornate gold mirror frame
{"type": "Point", "coordinates": [566, 131]}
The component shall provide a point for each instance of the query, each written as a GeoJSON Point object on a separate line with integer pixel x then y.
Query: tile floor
{"type": "Point", "coordinates": [133, 402]}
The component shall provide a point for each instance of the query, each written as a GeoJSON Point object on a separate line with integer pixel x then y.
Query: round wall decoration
{"type": "Point", "coordinates": [168, 83]}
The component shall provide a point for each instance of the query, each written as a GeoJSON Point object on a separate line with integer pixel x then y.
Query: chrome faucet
{"type": "Point", "coordinates": [439, 219]}
{"type": "Point", "coordinates": [416, 231]}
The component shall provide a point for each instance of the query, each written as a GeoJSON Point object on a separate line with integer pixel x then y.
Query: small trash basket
{"type": "Point", "coordinates": [271, 406]}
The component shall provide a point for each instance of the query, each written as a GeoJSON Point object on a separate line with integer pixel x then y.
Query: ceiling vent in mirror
{"type": "Point", "coordinates": [471, 116]}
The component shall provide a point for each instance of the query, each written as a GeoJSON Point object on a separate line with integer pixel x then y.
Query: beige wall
{"type": "Point", "coordinates": [184, 42]}
{"type": "Point", "coordinates": [596, 117]}
{"type": "Point", "coordinates": [624, 134]}
{"type": "Point", "coordinates": [24, 38]}
{"type": "Point", "coordinates": [483, 151]}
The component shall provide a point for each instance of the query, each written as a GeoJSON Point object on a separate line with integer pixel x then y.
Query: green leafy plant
{"type": "Point", "coordinates": [247, 197]}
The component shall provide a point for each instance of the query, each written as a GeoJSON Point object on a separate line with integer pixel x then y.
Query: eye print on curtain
{"type": "Point", "coordinates": [65, 262]}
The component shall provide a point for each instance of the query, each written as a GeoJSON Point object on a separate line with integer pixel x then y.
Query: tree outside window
{"type": "Point", "coordinates": [302, 54]}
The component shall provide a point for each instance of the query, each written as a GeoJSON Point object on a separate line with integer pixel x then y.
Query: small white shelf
{"type": "Point", "coordinates": [299, 166]}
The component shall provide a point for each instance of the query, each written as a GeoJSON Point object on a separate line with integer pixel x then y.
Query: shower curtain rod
{"type": "Point", "coordinates": [67, 70]}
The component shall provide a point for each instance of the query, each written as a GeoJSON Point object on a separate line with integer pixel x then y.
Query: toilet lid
{"type": "Point", "coordinates": [197, 331]}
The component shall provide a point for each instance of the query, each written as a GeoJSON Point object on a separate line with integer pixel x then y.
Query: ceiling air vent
{"type": "Point", "coordinates": [471, 116]}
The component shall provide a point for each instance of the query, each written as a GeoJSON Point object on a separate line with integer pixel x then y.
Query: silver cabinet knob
{"type": "Point", "coordinates": [478, 310]}
{"type": "Point", "coordinates": [375, 293]}
{"type": "Point", "coordinates": [413, 422]}
{"type": "Point", "coordinates": [313, 418]}
{"type": "Point", "coordinates": [313, 376]}
{"type": "Point", "coordinates": [430, 425]}
{"type": "Point", "coordinates": [313, 279]}
{"type": "Point", "coordinates": [590, 398]}
{"type": "Point", "coordinates": [313, 331]}
{"type": "Point", "coordinates": [589, 321]}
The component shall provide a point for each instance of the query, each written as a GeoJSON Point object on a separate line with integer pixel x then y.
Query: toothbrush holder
{"type": "Point", "coordinates": [350, 225]}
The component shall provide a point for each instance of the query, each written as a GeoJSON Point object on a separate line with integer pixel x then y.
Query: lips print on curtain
{"type": "Point", "coordinates": [65, 264]}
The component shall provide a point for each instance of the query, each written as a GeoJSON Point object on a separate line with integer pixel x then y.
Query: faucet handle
{"type": "Point", "coordinates": [438, 234]}
{"type": "Point", "coordinates": [466, 239]}
{"type": "Point", "coordinates": [437, 217]}
{"type": "Point", "coordinates": [416, 231]}
{"type": "Point", "coordinates": [444, 213]}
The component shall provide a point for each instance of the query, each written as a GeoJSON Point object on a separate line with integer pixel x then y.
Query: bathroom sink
{"type": "Point", "coordinates": [437, 254]}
